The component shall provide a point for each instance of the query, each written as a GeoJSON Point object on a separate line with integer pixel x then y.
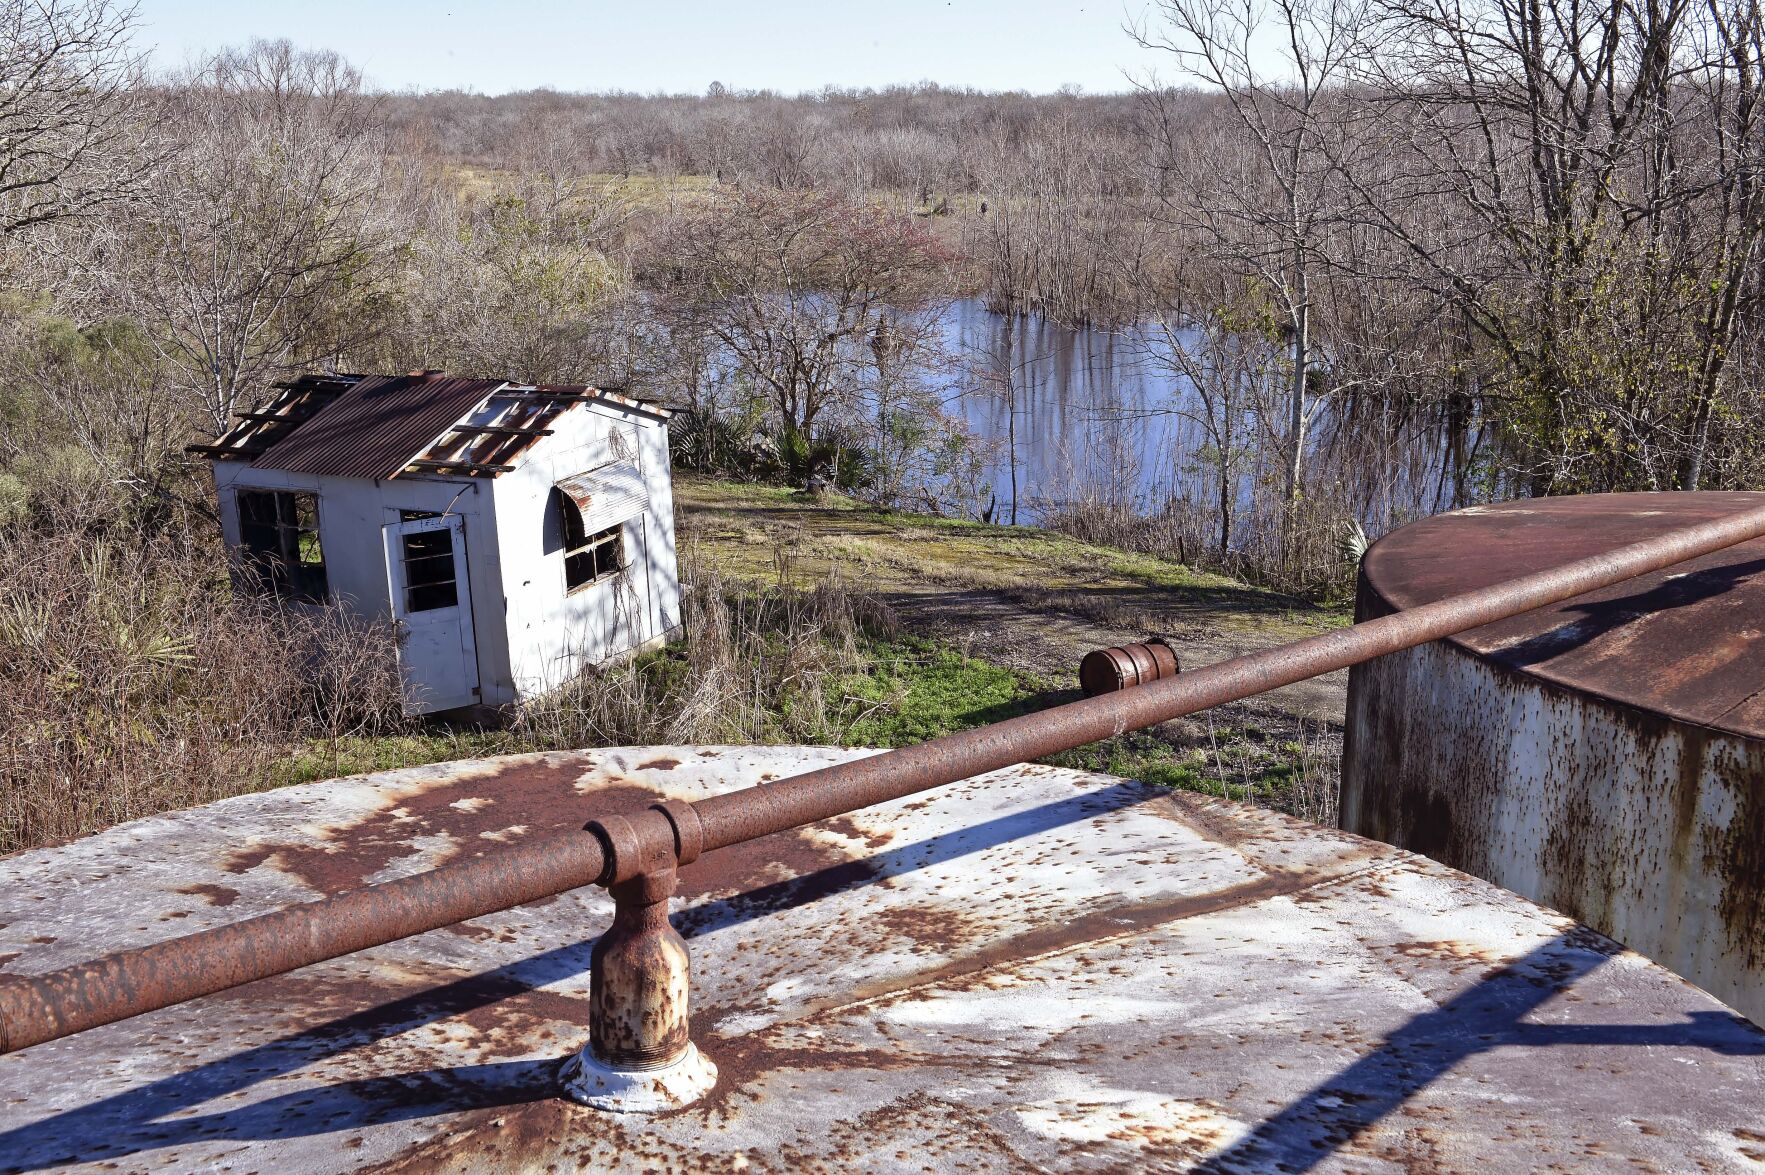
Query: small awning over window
{"type": "Point", "coordinates": [606, 496]}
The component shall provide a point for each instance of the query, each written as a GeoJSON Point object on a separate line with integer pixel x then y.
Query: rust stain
{"type": "Point", "coordinates": [477, 811]}
{"type": "Point", "coordinates": [214, 895]}
{"type": "Point", "coordinates": [847, 827]}
{"type": "Point", "coordinates": [933, 930]}
{"type": "Point", "coordinates": [1628, 820]}
{"type": "Point", "coordinates": [1737, 852]}
{"type": "Point", "coordinates": [1684, 642]}
{"type": "Point", "coordinates": [742, 1061]}
{"type": "Point", "coordinates": [659, 765]}
{"type": "Point", "coordinates": [1085, 930]}
{"type": "Point", "coordinates": [793, 867]}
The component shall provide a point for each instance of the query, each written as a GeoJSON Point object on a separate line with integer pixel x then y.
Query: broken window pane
{"type": "Point", "coordinates": [279, 535]}
{"type": "Point", "coordinates": [594, 557]}
{"type": "Point", "coordinates": [429, 571]}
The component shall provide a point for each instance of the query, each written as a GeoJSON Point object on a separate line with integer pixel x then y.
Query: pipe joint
{"type": "Point", "coordinates": [640, 1057]}
{"type": "Point", "coordinates": [640, 843]}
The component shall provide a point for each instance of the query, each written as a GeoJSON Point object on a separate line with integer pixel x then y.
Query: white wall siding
{"type": "Point", "coordinates": [553, 634]}
{"type": "Point", "coordinates": [352, 512]}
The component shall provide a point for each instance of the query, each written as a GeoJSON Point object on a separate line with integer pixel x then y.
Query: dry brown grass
{"type": "Point", "coordinates": [756, 666]}
{"type": "Point", "coordinates": [138, 681]}
{"type": "Point", "coordinates": [1312, 565]}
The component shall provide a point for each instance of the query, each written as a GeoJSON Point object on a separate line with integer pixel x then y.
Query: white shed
{"type": "Point", "coordinates": [515, 534]}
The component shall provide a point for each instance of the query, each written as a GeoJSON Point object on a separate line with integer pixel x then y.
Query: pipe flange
{"type": "Point", "coordinates": [624, 849]}
{"type": "Point", "coordinates": [689, 833]}
{"type": "Point", "coordinates": [590, 1081]}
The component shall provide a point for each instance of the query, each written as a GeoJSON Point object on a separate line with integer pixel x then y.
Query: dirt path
{"type": "Point", "coordinates": [1020, 597]}
{"type": "Point", "coordinates": [1049, 636]}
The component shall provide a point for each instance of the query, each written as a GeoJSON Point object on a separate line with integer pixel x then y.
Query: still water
{"type": "Point", "coordinates": [1085, 411]}
{"type": "Point", "coordinates": [1092, 413]}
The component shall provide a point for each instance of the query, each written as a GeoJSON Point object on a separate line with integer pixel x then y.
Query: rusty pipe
{"type": "Point", "coordinates": [38, 1008]}
{"type": "Point", "coordinates": [831, 791]}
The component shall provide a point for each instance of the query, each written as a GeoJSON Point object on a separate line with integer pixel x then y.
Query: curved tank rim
{"type": "Point", "coordinates": [1686, 644]}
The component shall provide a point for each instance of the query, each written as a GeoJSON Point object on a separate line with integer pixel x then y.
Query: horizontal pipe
{"type": "Point", "coordinates": [44, 1007]}
{"type": "Point", "coordinates": [818, 795]}
{"type": "Point", "coordinates": [36, 1008]}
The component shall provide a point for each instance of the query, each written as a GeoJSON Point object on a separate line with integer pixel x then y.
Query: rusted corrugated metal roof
{"type": "Point", "coordinates": [1685, 642]}
{"type": "Point", "coordinates": [382, 424]}
{"type": "Point", "coordinates": [377, 427]}
{"type": "Point", "coordinates": [255, 432]}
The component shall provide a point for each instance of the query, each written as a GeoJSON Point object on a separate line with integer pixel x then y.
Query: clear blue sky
{"type": "Point", "coordinates": [678, 45]}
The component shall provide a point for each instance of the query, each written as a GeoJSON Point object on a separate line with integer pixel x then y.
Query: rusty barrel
{"type": "Point", "coordinates": [1604, 756]}
{"type": "Point", "coordinates": [1103, 671]}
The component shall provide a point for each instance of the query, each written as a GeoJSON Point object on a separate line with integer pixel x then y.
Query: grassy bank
{"type": "Point", "coordinates": [877, 668]}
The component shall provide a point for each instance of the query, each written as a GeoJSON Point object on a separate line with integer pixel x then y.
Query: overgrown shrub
{"type": "Point", "coordinates": [138, 681]}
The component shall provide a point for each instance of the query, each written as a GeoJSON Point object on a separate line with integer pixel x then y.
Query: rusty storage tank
{"type": "Point", "coordinates": [1605, 756]}
{"type": "Point", "coordinates": [1039, 969]}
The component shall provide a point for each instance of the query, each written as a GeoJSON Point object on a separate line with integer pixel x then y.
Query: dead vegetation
{"type": "Point", "coordinates": [759, 664]}
{"type": "Point", "coordinates": [137, 682]}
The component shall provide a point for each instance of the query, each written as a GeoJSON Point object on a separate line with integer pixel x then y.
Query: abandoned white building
{"type": "Point", "coordinates": [515, 534]}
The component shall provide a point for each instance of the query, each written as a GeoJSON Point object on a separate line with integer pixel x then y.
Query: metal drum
{"type": "Point", "coordinates": [1103, 671]}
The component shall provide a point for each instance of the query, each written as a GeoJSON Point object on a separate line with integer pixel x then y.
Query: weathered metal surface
{"type": "Point", "coordinates": [639, 982]}
{"type": "Point", "coordinates": [296, 403]}
{"type": "Point", "coordinates": [374, 429]}
{"type": "Point", "coordinates": [1042, 970]}
{"type": "Point", "coordinates": [127, 983]}
{"type": "Point", "coordinates": [1605, 757]}
{"type": "Point", "coordinates": [1103, 671]}
{"type": "Point", "coordinates": [606, 496]}
{"type": "Point", "coordinates": [1686, 642]}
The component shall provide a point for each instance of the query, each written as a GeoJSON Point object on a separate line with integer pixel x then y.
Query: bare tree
{"type": "Point", "coordinates": [794, 288]}
{"type": "Point", "coordinates": [263, 246]}
{"type": "Point", "coordinates": [1267, 204]}
{"type": "Point", "coordinates": [1531, 169]}
{"type": "Point", "coordinates": [1731, 84]}
{"type": "Point", "coordinates": [524, 284]}
{"type": "Point", "coordinates": [72, 138]}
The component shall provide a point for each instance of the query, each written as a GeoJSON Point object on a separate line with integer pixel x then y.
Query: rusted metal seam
{"type": "Point", "coordinates": [1221, 900]}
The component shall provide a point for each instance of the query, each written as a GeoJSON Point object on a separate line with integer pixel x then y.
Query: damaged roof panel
{"type": "Point", "coordinates": [255, 432]}
{"type": "Point", "coordinates": [606, 496]}
{"type": "Point", "coordinates": [380, 426]}
{"type": "Point", "coordinates": [377, 427]}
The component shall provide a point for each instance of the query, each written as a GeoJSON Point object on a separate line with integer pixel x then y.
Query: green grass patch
{"type": "Point", "coordinates": [916, 689]}
{"type": "Point", "coordinates": [360, 756]}
{"type": "Point", "coordinates": [1237, 764]}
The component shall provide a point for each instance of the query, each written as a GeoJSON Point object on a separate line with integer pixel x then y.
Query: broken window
{"type": "Point", "coordinates": [594, 508]}
{"type": "Point", "coordinates": [429, 579]}
{"type": "Point", "coordinates": [590, 558]}
{"type": "Point", "coordinates": [279, 532]}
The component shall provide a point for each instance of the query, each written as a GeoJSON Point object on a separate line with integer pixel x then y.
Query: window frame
{"type": "Point", "coordinates": [578, 544]}
{"type": "Point", "coordinates": [419, 551]}
{"type": "Point", "coordinates": [274, 549]}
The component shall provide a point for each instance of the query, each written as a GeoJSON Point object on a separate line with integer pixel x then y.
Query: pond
{"type": "Point", "coordinates": [1076, 411]}
{"type": "Point", "coordinates": [1065, 413]}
